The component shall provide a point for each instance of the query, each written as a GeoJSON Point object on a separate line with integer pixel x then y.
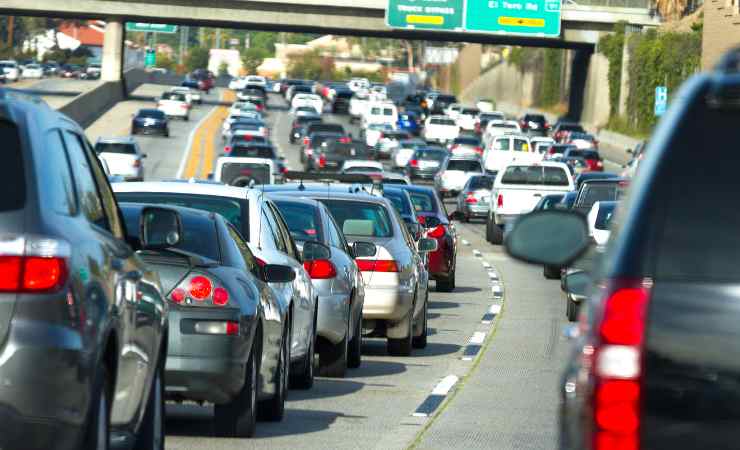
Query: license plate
{"type": "Point", "coordinates": [428, 164]}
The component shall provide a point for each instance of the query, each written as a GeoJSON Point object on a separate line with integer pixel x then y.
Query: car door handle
{"type": "Point", "coordinates": [538, 195]}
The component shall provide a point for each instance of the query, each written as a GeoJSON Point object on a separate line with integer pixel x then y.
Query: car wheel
{"type": "Point", "coordinates": [151, 434]}
{"type": "Point", "coordinates": [402, 347]}
{"type": "Point", "coordinates": [303, 378]}
{"type": "Point", "coordinates": [98, 424]}
{"type": "Point", "coordinates": [273, 409]}
{"type": "Point", "coordinates": [333, 358]}
{"type": "Point", "coordinates": [571, 309]}
{"type": "Point", "coordinates": [447, 285]}
{"type": "Point", "coordinates": [186, 118]}
{"type": "Point", "coordinates": [551, 272]}
{"type": "Point", "coordinates": [133, 131]}
{"type": "Point", "coordinates": [238, 418]}
{"type": "Point", "coordinates": [420, 341]}
{"type": "Point", "coordinates": [496, 233]}
{"type": "Point", "coordinates": [354, 360]}
{"type": "Point", "coordinates": [167, 133]}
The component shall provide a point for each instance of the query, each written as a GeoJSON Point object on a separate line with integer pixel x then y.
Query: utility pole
{"type": "Point", "coordinates": [218, 38]}
{"type": "Point", "coordinates": [201, 37]}
{"type": "Point", "coordinates": [11, 24]}
{"type": "Point", "coordinates": [184, 38]}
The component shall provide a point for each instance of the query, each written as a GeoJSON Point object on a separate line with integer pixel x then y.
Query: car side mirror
{"type": "Point", "coordinates": [362, 249]}
{"type": "Point", "coordinates": [276, 273]}
{"type": "Point", "coordinates": [314, 250]}
{"type": "Point", "coordinates": [577, 283]}
{"type": "Point", "coordinates": [210, 175]}
{"type": "Point", "coordinates": [630, 151]}
{"type": "Point", "coordinates": [530, 238]}
{"type": "Point", "coordinates": [144, 156]}
{"type": "Point", "coordinates": [160, 228]}
{"type": "Point", "coordinates": [427, 245]}
{"type": "Point", "coordinates": [457, 215]}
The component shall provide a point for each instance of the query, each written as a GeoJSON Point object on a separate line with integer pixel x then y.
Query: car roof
{"type": "Point", "coordinates": [116, 140]}
{"type": "Point", "coordinates": [185, 187]}
{"type": "Point", "coordinates": [332, 190]}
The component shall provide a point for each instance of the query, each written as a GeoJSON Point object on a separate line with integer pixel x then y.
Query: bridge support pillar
{"type": "Point", "coordinates": [578, 75]}
{"type": "Point", "coordinates": [112, 63]}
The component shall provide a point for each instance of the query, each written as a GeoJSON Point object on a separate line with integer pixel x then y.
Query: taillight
{"type": "Point", "coordinates": [227, 149]}
{"type": "Point", "coordinates": [478, 150]}
{"type": "Point", "coordinates": [600, 164]}
{"type": "Point", "coordinates": [437, 232]}
{"type": "Point", "coordinates": [320, 269]}
{"type": "Point", "coordinates": [422, 220]}
{"type": "Point", "coordinates": [500, 200]}
{"type": "Point", "coordinates": [345, 140]}
{"type": "Point", "coordinates": [322, 161]}
{"type": "Point", "coordinates": [306, 141]}
{"type": "Point", "coordinates": [470, 198]}
{"type": "Point", "coordinates": [414, 163]}
{"type": "Point", "coordinates": [617, 365]}
{"type": "Point", "coordinates": [309, 151]}
{"type": "Point", "coordinates": [377, 265]}
{"type": "Point", "coordinates": [33, 265]}
{"type": "Point", "coordinates": [136, 163]}
{"type": "Point", "coordinates": [283, 170]}
{"type": "Point", "coordinates": [199, 289]}
{"type": "Point", "coordinates": [260, 262]}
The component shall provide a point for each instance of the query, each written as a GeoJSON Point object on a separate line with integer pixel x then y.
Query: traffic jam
{"type": "Point", "coordinates": [236, 289]}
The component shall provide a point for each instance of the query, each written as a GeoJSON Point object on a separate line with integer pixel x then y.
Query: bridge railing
{"type": "Point", "coordinates": [643, 4]}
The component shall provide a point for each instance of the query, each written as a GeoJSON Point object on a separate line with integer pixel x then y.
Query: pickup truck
{"type": "Point", "coordinates": [517, 189]}
{"type": "Point", "coordinates": [508, 149]}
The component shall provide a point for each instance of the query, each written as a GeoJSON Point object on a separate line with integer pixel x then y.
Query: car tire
{"type": "Point", "coordinates": [354, 359]}
{"type": "Point", "coordinates": [97, 436]}
{"type": "Point", "coordinates": [551, 272]}
{"type": "Point", "coordinates": [238, 418]}
{"type": "Point", "coordinates": [571, 309]}
{"type": "Point", "coordinates": [333, 360]}
{"type": "Point", "coordinates": [420, 341]}
{"type": "Point", "coordinates": [151, 433]}
{"type": "Point", "coordinates": [273, 410]}
{"type": "Point", "coordinates": [496, 233]}
{"type": "Point", "coordinates": [447, 285]}
{"type": "Point", "coordinates": [186, 118]}
{"type": "Point", "coordinates": [167, 133]}
{"type": "Point", "coordinates": [402, 347]}
{"type": "Point", "coordinates": [303, 377]}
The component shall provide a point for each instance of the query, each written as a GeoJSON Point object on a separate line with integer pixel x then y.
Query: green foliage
{"type": "Point", "coordinates": [310, 66]}
{"type": "Point", "coordinates": [223, 69]}
{"type": "Point", "coordinates": [550, 94]}
{"type": "Point", "coordinates": [197, 58]}
{"type": "Point", "coordinates": [526, 59]}
{"type": "Point", "coordinates": [165, 62]}
{"type": "Point", "coordinates": [611, 46]}
{"type": "Point", "coordinates": [253, 57]}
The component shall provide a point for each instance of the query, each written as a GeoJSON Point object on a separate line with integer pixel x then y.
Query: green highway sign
{"type": "Point", "coordinates": [151, 27]}
{"type": "Point", "coordinates": [537, 18]}
{"type": "Point", "coordinates": [425, 14]}
{"type": "Point", "coordinates": [523, 17]}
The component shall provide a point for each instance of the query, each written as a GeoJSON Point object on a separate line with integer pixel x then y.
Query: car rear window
{"type": "Point", "coordinates": [115, 147]}
{"type": "Point", "coordinates": [198, 232]}
{"type": "Point", "coordinates": [465, 165]}
{"type": "Point", "coordinates": [423, 202]}
{"type": "Point", "coordinates": [399, 202]}
{"type": "Point", "coordinates": [467, 141]}
{"type": "Point", "coordinates": [355, 149]}
{"type": "Point", "coordinates": [599, 192]}
{"type": "Point", "coordinates": [153, 113]}
{"type": "Point", "coordinates": [230, 208]}
{"type": "Point", "coordinates": [173, 96]}
{"type": "Point", "coordinates": [332, 127]}
{"type": "Point", "coordinates": [449, 122]}
{"type": "Point", "coordinates": [585, 154]}
{"type": "Point", "coordinates": [446, 99]}
{"type": "Point", "coordinates": [14, 193]}
{"type": "Point", "coordinates": [302, 220]}
{"type": "Point", "coordinates": [252, 151]}
{"type": "Point", "coordinates": [470, 112]}
{"type": "Point", "coordinates": [604, 217]}
{"type": "Point", "coordinates": [571, 127]}
{"type": "Point", "coordinates": [481, 183]}
{"type": "Point", "coordinates": [535, 175]}
{"type": "Point", "coordinates": [434, 155]}
{"type": "Point", "coordinates": [357, 218]}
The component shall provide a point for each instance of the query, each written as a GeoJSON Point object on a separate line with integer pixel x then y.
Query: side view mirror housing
{"type": "Point", "coordinates": [276, 273]}
{"type": "Point", "coordinates": [160, 228]}
{"type": "Point", "coordinates": [427, 245]}
{"type": "Point", "coordinates": [362, 249]}
{"type": "Point", "coordinates": [529, 239]}
{"type": "Point", "coordinates": [630, 151]}
{"type": "Point", "coordinates": [313, 250]}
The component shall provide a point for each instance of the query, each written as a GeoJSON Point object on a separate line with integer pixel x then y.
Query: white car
{"type": "Point", "coordinates": [374, 132]}
{"type": "Point", "coordinates": [241, 107]}
{"type": "Point", "coordinates": [507, 149]}
{"type": "Point", "coordinates": [362, 166]}
{"type": "Point", "coordinates": [541, 144]}
{"type": "Point", "coordinates": [34, 71]}
{"type": "Point", "coordinates": [174, 104]}
{"type": "Point", "coordinates": [245, 128]}
{"type": "Point", "coordinates": [312, 100]}
{"type": "Point", "coordinates": [440, 129]}
{"type": "Point", "coordinates": [466, 118]}
{"type": "Point", "coordinates": [244, 171]}
{"type": "Point", "coordinates": [11, 70]}
{"type": "Point", "coordinates": [485, 105]}
{"type": "Point", "coordinates": [192, 95]}
{"type": "Point", "coordinates": [357, 106]}
{"type": "Point", "coordinates": [498, 128]}
{"type": "Point", "coordinates": [237, 84]}
{"type": "Point", "coordinates": [380, 113]}
{"type": "Point", "coordinates": [454, 174]}
{"type": "Point", "coordinates": [256, 79]}
{"type": "Point", "coordinates": [356, 84]}
{"type": "Point", "coordinates": [599, 219]}
{"type": "Point", "coordinates": [122, 157]}
{"type": "Point", "coordinates": [453, 111]}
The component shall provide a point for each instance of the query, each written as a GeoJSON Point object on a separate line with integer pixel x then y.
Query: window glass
{"type": "Point", "coordinates": [110, 206]}
{"type": "Point", "coordinates": [360, 218]}
{"type": "Point", "coordinates": [501, 144]}
{"type": "Point", "coordinates": [55, 170]}
{"type": "Point", "coordinates": [464, 165]}
{"type": "Point", "coordinates": [87, 191]}
{"type": "Point", "coordinates": [302, 220]}
{"type": "Point", "coordinates": [115, 147]}
{"type": "Point", "coordinates": [520, 145]}
{"type": "Point", "coordinates": [274, 230]}
{"type": "Point", "coordinates": [290, 247]}
{"type": "Point", "coordinates": [244, 249]}
{"type": "Point", "coordinates": [535, 175]}
{"type": "Point", "coordinates": [423, 201]}
{"type": "Point", "coordinates": [14, 179]}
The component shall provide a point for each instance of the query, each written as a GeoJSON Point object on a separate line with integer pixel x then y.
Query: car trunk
{"type": "Point", "coordinates": [373, 279]}
{"type": "Point", "coordinates": [172, 268]}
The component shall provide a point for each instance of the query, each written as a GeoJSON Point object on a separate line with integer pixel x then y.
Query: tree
{"type": "Point", "coordinates": [223, 68]}
{"type": "Point", "coordinates": [253, 58]}
{"type": "Point", "coordinates": [197, 59]}
{"type": "Point", "coordinates": [164, 61]}
{"type": "Point", "coordinates": [310, 66]}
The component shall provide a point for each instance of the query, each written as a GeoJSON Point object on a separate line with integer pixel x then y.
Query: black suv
{"type": "Point", "coordinates": [535, 124]}
{"type": "Point", "coordinates": [656, 363]}
{"type": "Point", "coordinates": [83, 323]}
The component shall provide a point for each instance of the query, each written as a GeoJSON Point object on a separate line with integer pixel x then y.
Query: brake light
{"type": "Point", "coordinates": [500, 200]}
{"type": "Point", "coordinates": [479, 150]}
{"type": "Point", "coordinates": [377, 265]}
{"type": "Point", "coordinates": [322, 161]}
{"type": "Point", "coordinates": [227, 149]}
{"type": "Point", "coordinates": [283, 169]}
{"type": "Point", "coordinates": [414, 163]}
{"type": "Point", "coordinates": [306, 140]}
{"type": "Point", "coordinates": [600, 164]}
{"type": "Point", "coordinates": [260, 262]}
{"type": "Point", "coordinates": [200, 288]}
{"type": "Point", "coordinates": [220, 296]}
{"type": "Point", "coordinates": [454, 147]}
{"type": "Point", "coordinates": [320, 269]}
{"type": "Point", "coordinates": [345, 140]}
{"type": "Point", "coordinates": [437, 232]}
{"type": "Point", "coordinates": [422, 220]}
{"type": "Point", "coordinates": [471, 198]}
{"type": "Point", "coordinates": [136, 163]}
{"type": "Point", "coordinates": [178, 295]}
{"type": "Point", "coordinates": [617, 365]}
{"type": "Point", "coordinates": [33, 265]}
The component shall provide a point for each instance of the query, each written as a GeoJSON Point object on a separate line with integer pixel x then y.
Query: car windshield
{"type": "Point", "coordinates": [115, 147]}
{"type": "Point", "coordinates": [585, 154]}
{"type": "Point", "coordinates": [230, 208]}
{"type": "Point", "coordinates": [439, 121]}
{"type": "Point", "coordinates": [199, 234]}
{"type": "Point", "coordinates": [302, 220]}
{"type": "Point", "coordinates": [357, 218]}
{"type": "Point", "coordinates": [464, 165]}
{"type": "Point", "coordinates": [535, 175]}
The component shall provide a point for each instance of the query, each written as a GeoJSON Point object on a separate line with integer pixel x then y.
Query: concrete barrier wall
{"type": "Point", "coordinates": [88, 106]}
{"type": "Point", "coordinates": [504, 83]}
{"type": "Point", "coordinates": [596, 101]}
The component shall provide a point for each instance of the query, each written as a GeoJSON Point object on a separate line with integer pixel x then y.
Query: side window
{"type": "Point", "coordinates": [342, 240]}
{"type": "Point", "coordinates": [87, 190]}
{"type": "Point", "coordinates": [56, 172]}
{"type": "Point", "coordinates": [290, 248]}
{"type": "Point", "coordinates": [106, 193]}
{"type": "Point", "coordinates": [332, 234]}
{"type": "Point", "coordinates": [244, 249]}
{"type": "Point", "coordinates": [271, 225]}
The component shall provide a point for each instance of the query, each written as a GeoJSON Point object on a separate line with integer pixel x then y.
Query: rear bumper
{"type": "Point", "coordinates": [476, 210]}
{"type": "Point", "coordinates": [504, 219]}
{"type": "Point", "coordinates": [387, 303]}
{"type": "Point", "coordinates": [423, 174]}
{"type": "Point", "coordinates": [441, 261]}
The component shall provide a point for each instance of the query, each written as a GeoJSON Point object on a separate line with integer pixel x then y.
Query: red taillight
{"type": "Point", "coordinates": [178, 295]}
{"type": "Point", "coordinates": [232, 328]}
{"type": "Point", "coordinates": [306, 141]}
{"type": "Point", "coordinates": [220, 296]}
{"type": "Point", "coordinates": [617, 365]}
{"type": "Point", "coordinates": [320, 269]}
{"type": "Point", "coordinates": [31, 273]}
{"type": "Point", "coordinates": [227, 149]}
{"type": "Point", "coordinates": [283, 170]}
{"type": "Point", "coordinates": [377, 265]}
{"type": "Point", "coordinates": [260, 262]}
{"type": "Point", "coordinates": [345, 140]}
{"type": "Point", "coordinates": [422, 220]}
{"type": "Point", "coordinates": [437, 232]}
{"type": "Point", "coordinates": [479, 150]}
{"type": "Point", "coordinates": [500, 201]}
{"type": "Point", "coordinates": [136, 163]}
{"type": "Point", "coordinates": [200, 288]}
{"type": "Point", "coordinates": [414, 163]}
{"type": "Point", "coordinates": [471, 198]}
{"type": "Point", "coordinates": [322, 161]}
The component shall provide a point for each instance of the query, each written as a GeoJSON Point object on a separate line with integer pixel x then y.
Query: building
{"type": "Point", "coordinates": [721, 30]}
{"type": "Point", "coordinates": [69, 36]}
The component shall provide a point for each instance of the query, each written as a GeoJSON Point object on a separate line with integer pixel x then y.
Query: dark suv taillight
{"type": "Point", "coordinates": [33, 264]}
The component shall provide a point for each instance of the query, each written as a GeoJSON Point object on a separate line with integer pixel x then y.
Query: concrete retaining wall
{"type": "Point", "coordinates": [88, 106]}
{"type": "Point", "coordinates": [504, 83]}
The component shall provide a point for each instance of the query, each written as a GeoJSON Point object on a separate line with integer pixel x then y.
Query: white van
{"type": "Point", "coordinates": [380, 113]}
{"type": "Point", "coordinates": [507, 149]}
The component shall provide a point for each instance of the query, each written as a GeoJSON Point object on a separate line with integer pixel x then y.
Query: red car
{"type": "Point", "coordinates": [432, 214]}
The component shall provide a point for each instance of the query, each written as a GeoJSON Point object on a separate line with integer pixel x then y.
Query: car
{"type": "Point", "coordinates": [485, 104]}
{"type": "Point", "coordinates": [224, 319]}
{"type": "Point", "coordinates": [517, 189]}
{"type": "Point", "coordinates": [391, 178]}
{"type": "Point", "coordinates": [534, 124]}
{"type": "Point", "coordinates": [405, 207]}
{"type": "Point", "coordinates": [92, 72]}
{"type": "Point", "coordinates": [330, 262]}
{"type": "Point", "coordinates": [555, 151]}
{"type": "Point", "coordinates": [380, 113]}
{"type": "Point", "coordinates": [302, 111]}
{"type": "Point", "coordinates": [582, 141]}
{"type": "Point", "coordinates": [311, 100]}
{"type": "Point", "coordinates": [441, 102]}
{"type": "Point", "coordinates": [585, 176]}
{"type": "Point", "coordinates": [261, 150]}
{"type": "Point", "coordinates": [34, 71]}
{"type": "Point", "coordinates": [401, 155]}
{"type": "Point", "coordinates": [11, 70]}
{"type": "Point", "coordinates": [150, 121]}
{"type": "Point", "coordinates": [592, 158]}
{"type": "Point", "coordinates": [75, 297]}
{"type": "Point", "coordinates": [70, 70]}
{"type": "Point", "coordinates": [315, 127]}
{"type": "Point", "coordinates": [123, 156]}
{"type": "Point", "coordinates": [549, 202]}
{"type": "Point", "coordinates": [316, 144]}
{"type": "Point", "coordinates": [193, 95]}
{"type": "Point", "coordinates": [426, 162]}
{"type": "Point", "coordinates": [592, 191]}
{"type": "Point", "coordinates": [599, 221]}
{"type": "Point", "coordinates": [342, 102]}
{"type": "Point", "coordinates": [264, 231]}
{"type": "Point", "coordinates": [497, 128]}
{"type": "Point", "coordinates": [233, 169]}
{"type": "Point", "coordinates": [357, 106]}
{"type": "Point", "coordinates": [410, 122]}
{"type": "Point", "coordinates": [331, 157]}
{"type": "Point", "coordinates": [51, 68]}
{"type": "Point", "coordinates": [361, 166]}
{"type": "Point", "coordinates": [432, 214]}
{"type": "Point", "coordinates": [356, 84]}
{"type": "Point", "coordinates": [508, 148]}
{"type": "Point", "coordinates": [440, 129]}
{"type": "Point", "coordinates": [245, 127]}
{"type": "Point", "coordinates": [563, 128]}
{"type": "Point", "coordinates": [474, 197]}
{"type": "Point", "coordinates": [299, 125]}
{"type": "Point", "coordinates": [466, 119]}
{"type": "Point", "coordinates": [454, 173]}
{"type": "Point", "coordinates": [237, 83]}
{"type": "Point", "coordinates": [453, 111]}
{"type": "Point", "coordinates": [298, 89]}
{"type": "Point", "coordinates": [174, 104]}
{"type": "Point", "coordinates": [388, 141]}
{"type": "Point", "coordinates": [372, 133]}
{"type": "Point", "coordinates": [466, 146]}
{"type": "Point", "coordinates": [540, 144]}
{"type": "Point", "coordinates": [245, 139]}
{"type": "Point", "coordinates": [200, 79]}
{"type": "Point", "coordinates": [255, 80]}
{"type": "Point", "coordinates": [481, 122]}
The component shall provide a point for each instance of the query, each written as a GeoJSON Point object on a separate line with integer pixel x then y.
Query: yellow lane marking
{"type": "Point", "coordinates": [202, 151]}
{"type": "Point", "coordinates": [211, 136]}
{"type": "Point", "coordinates": [521, 22]}
{"type": "Point", "coordinates": [425, 20]}
{"type": "Point", "coordinates": [195, 152]}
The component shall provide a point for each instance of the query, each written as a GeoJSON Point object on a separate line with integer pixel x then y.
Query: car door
{"type": "Point", "coordinates": [110, 263]}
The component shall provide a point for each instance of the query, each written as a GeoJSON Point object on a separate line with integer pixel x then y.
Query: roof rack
{"type": "Point", "coordinates": [375, 181]}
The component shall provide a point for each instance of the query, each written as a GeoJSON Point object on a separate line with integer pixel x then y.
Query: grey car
{"type": "Point", "coordinates": [455, 173]}
{"type": "Point", "coordinates": [472, 201]}
{"type": "Point", "coordinates": [335, 278]}
{"type": "Point", "coordinates": [82, 318]}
